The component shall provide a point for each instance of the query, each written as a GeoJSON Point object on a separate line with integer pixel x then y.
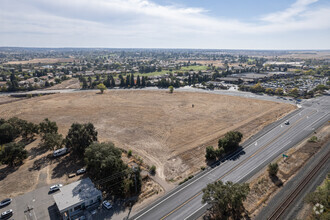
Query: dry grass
{"type": "Point", "coordinates": [43, 61]}
{"type": "Point", "coordinates": [162, 128]}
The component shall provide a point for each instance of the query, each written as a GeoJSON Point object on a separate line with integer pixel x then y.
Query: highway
{"type": "Point", "coordinates": [184, 202]}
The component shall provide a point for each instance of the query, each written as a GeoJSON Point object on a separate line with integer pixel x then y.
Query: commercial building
{"type": "Point", "coordinates": [75, 198]}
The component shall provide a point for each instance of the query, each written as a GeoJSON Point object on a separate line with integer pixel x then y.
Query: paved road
{"type": "Point", "coordinates": [184, 202]}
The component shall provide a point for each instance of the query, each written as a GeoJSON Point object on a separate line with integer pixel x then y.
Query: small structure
{"type": "Point", "coordinates": [76, 197]}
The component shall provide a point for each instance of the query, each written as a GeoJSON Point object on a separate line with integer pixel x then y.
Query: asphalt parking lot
{"type": "Point", "coordinates": [34, 205]}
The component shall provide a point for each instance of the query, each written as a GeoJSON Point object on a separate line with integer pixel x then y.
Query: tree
{"type": "Point", "coordinates": [152, 170]}
{"type": "Point", "coordinates": [257, 88]}
{"type": "Point", "coordinates": [272, 169]}
{"type": "Point", "coordinates": [294, 92]}
{"type": "Point", "coordinates": [101, 87]}
{"type": "Point", "coordinates": [279, 91]}
{"type": "Point", "coordinates": [47, 126]}
{"type": "Point", "coordinates": [104, 160]}
{"type": "Point", "coordinates": [7, 133]}
{"type": "Point", "coordinates": [226, 199]}
{"type": "Point", "coordinates": [84, 83]}
{"type": "Point", "coordinates": [231, 141]}
{"type": "Point", "coordinates": [143, 84]}
{"type": "Point", "coordinates": [132, 83]}
{"type": "Point", "coordinates": [171, 89]}
{"type": "Point", "coordinates": [138, 83]}
{"type": "Point", "coordinates": [210, 153]}
{"type": "Point", "coordinates": [28, 130]}
{"type": "Point", "coordinates": [52, 141]}
{"type": "Point", "coordinates": [127, 80]}
{"type": "Point", "coordinates": [80, 136]}
{"type": "Point", "coordinates": [269, 91]}
{"type": "Point", "coordinates": [113, 83]}
{"type": "Point", "coordinates": [13, 154]}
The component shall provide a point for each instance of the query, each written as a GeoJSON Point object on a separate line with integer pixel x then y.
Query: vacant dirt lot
{"type": "Point", "coordinates": [43, 60]}
{"type": "Point", "coordinates": [164, 129]}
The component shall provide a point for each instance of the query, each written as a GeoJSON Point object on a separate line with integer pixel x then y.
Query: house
{"type": "Point", "coordinates": [76, 197]}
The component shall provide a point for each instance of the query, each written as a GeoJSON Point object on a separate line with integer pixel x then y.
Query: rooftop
{"type": "Point", "coordinates": [75, 193]}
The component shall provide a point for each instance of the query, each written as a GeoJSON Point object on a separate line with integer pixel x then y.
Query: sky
{"type": "Point", "coordinates": [200, 24]}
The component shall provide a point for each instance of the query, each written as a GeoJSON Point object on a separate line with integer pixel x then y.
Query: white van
{"type": "Point", "coordinates": [60, 152]}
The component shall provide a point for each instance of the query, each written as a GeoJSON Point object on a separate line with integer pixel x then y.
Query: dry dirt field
{"type": "Point", "coordinates": [43, 60]}
{"type": "Point", "coordinates": [160, 127]}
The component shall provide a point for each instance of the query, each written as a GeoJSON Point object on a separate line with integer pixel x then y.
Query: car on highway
{"type": "Point", "coordinates": [287, 122]}
{"type": "Point", "coordinates": [106, 204]}
{"type": "Point", "coordinates": [55, 187]}
{"type": "Point", "coordinates": [5, 202]}
{"type": "Point", "coordinates": [81, 171]}
{"type": "Point", "coordinates": [6, 214]}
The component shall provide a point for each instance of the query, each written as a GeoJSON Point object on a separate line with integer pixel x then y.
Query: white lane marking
{"type": "Point", "coordinates": [201, 176]}
{"type": "Point", "coordinates": [195, 211]}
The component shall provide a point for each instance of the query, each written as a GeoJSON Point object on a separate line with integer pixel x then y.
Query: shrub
{"type": "Point", "coordinates": [152, 170]}
{"type": "Point", "coordinates": [273, 169]}
{"type": "Point", "coordinates": [129, 153]}
{"type": "Point", "coordinates": [313, 139]}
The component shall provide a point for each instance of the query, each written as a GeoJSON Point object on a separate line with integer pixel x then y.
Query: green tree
{"type": "Point", "coordinates": [171, 89]}
{"type": "Point", "coordinates": [231, 141]}
{"type": "Point", "coordinates": [273, 169]}
{"type": "Point", "coordinates": [80, 136]}
{"type": "Point", "coordinates": [132, 83]}
{"type": "Point", "coordinates": [279, 91]}
{"type": "Point", "coordinates": [52, 141]}
{"type": "Point", "coordinates": [138, 83]}
{"type": "Point", "coordinates": [47, 126]}
{"type": "Point", "coordinates": [101, 87]}
{"type": "Point", "coordinates": [143, 84]}
{"type": "Point", "coordinates": [13, 154]}
{"type": "Point", "coordinates": [257, 88]}
{"type": "Point", "coordinates": [152, 170]}
{"type": "Point", "coordinates": [269, 91]}
{"type": "Point", "coordinates": [294, 92]}
{"type": "Point", "coordinates": [7, 133]}
{"type": "Point", "coordinates": [226, 199]}
{"type": "Point", "coordinates": [211, 153]}
{"type": "Point", "coordinates": [28, 130]}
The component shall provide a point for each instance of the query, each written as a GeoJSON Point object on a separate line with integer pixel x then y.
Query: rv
{"type": "Point", "coordinates": [60, 152]}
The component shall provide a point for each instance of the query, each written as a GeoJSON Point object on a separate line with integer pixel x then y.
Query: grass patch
{"type": "Point", "coordinates": [194, 68]}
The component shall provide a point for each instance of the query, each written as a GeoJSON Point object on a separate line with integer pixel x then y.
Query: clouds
{"type": "Point", "coordinates": [144, 23]}
{"type": "Point", "coordinates": [290, 13]}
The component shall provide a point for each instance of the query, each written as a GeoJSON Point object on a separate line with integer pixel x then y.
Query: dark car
{"type": "Point", "coordinates": [5, 202]}
{"type": "Point", "coordinates": [6, 214]}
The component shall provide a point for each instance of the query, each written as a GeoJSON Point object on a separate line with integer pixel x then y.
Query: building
{"type": "Point", "coordinates": [75, 198]}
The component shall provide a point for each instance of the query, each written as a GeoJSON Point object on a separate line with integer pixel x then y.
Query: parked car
{"type": "Point", "coordinates": [287, 122]}
{"type": "Point", "coordinates": [55, 187]}
{"type": "Point", "coordinates": [107, 204]}
{"type": "Point", "coordinates": [81, 171]}
{"type": "Point", "coordinates": [6, 214]}
{"type": "Point", "coordinates": [60, 152]}
{"type": "Point", "coordinates": [5, 202]}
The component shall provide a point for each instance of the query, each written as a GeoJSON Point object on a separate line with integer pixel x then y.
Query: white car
{"type": "Point", "coordinates": [6, 214]}
{"type": "Point", "coordinates": [107, 204]}
{"type": "Point", "coordinates": [55, 187]}
{"type": "Point", "coordinates": [81, 171]}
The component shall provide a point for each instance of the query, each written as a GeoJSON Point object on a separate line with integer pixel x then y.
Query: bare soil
{"type": "Point", "coordinates": [43, 60]}
{"type": "Point", "coordinates": [263, 188]}
{"type": "Point", "coordinates": [160, 127]}
{"type": "Point", "coordinates": [67, 84]}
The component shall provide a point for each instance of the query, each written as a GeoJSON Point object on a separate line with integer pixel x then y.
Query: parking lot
{"type": "Point", "coordinates": [39, 204]}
